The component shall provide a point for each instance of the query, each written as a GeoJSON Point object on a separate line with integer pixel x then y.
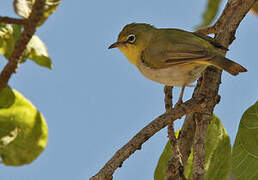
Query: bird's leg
{"type": "Point", "coordinates": [180, 100]}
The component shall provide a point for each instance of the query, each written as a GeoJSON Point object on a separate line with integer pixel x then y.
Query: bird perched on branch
{"type": "Point", "coordinates": [172, 57]}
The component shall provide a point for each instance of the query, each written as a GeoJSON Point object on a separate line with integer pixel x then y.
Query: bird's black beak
{"type": "Point", "coordinates": [115, 45]}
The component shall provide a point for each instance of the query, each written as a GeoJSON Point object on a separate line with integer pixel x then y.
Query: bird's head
{"type": "Point", "coordinates": [133, 39]}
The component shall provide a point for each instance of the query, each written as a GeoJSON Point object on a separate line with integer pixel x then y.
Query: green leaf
{"type": "Point", "coordinates": [245, 149]}
{"type": "Point", "coordinates": [37, 52]}
{"type": "Point", "coordinates": [210, 13]}
{"type": "Point", "coordinates": [9, 35]}
{"type": "Point", "coordinates": [217, 155]}
{"type": "Point", "coordinates": [23, 8]}
{"type": "Point", "coordinates": [218, 152]}
{"type": "Point", "coordinates": [23, 130]}
{"type": "Point", "coordinates": [7, 97]}
{"type": "Point", "coordinates": [161, 168]}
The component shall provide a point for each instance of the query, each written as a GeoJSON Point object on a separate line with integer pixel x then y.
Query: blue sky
{"type": "Point", "coordinates": [94, 101]}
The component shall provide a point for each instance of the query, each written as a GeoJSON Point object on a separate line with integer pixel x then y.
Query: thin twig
{"type": "Point", "coordinates": [175, 168]}
{"type": "Point", "coordinates": [20, 46]}
{"type": "Point", "coordinates": [186, 137]}
{"type": "Point", "coordinates": [9, 20]}
{"type": "Point", "coordinates": [168, 97]}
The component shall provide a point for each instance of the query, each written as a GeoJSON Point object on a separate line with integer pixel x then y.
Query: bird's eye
{"type": "Point", "coordinates": [131, 38]}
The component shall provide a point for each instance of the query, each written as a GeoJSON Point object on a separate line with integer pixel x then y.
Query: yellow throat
{"type": "Point", "coordinates": [132, 53]}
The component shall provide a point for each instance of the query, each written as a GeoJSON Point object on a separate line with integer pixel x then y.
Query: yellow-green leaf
{"type": "Point", "coordinates": [7, 97]}
{"type": "Point", "coordinates": [245, 149]}
{"type": "Point", "coordinates": [162, 165]}
{"type": "Point", "coordinates": [217, 155]}
{"type": "Point", "coordinates": [23, 130]}
{"type": "Point", "coordinates": [9, 34]}
{"type": "Point", "coordinates": [23, 8]}
{"type": "Point", "coordinates": [37, 52]}
{"type": "Point", "coordinates": [210, 13]}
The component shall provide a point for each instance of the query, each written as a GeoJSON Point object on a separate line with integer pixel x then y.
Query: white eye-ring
{"type": "Point", "coordinates": [131, 38]}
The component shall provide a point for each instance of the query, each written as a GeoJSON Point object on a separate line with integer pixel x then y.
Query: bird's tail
{"type": "Point", "coordinates": [227, 65]}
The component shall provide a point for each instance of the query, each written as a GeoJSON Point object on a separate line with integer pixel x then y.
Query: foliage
{"type": "Point", "coordinates": [210, 13]}
{"type": "Point", "coordinates": [245, 149]}
{"type": "Point", "coordinates": [23, 8]}
{"type": "Point", "coordinates": [23, 130]}
{"type": "Point", "coordinates": [218, 155]}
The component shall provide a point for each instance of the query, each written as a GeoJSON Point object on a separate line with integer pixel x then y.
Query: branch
{"type": "Point", "coordinates": [175, 168]}
{"type": "Point", "coordinates": [20, 46]}
{"type": "Point", "coordinates": [192, 105]}
{"type": "Point", "coordinates": [225, 29]}
{"type": "Point", "coordinates": [168, 97]}
{"type": "Point", "coordinates": [9, 20]}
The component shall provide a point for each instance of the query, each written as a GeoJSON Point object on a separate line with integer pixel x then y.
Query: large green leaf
{"type": "Point", "coordinates": [245, 149]}
{"type": "Point", "coordinates": [210, 13]}
{"type": "Point", "coordinates": [23, 130]}
{"type": "Point", "coordinates": [23, 8]}
{"type": "Point", "coordinates": [217, 155]}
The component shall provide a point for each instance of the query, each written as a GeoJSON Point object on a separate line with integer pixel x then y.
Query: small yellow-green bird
{"type": "Point", "coordinates": [172, 57]}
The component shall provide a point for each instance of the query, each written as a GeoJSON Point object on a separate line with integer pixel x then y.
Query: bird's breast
{"type": "Point", "coordinates": [176, 75]}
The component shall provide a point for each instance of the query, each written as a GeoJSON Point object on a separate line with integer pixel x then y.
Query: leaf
{"type": "Point", "coordinates": [9, 34]}
{"type": "Point", "coordinates": [245, 149]}
{"type": "Point", "coordinates": [161, 168]}
{"type": "Point", "coordinates": [210, 13]}
{"type": "Point", "coordinates": [37, 52]}
{"type": "Point", "coordinates": [23, 8]}
{"type": "Point", "coordinates": [217, 155]}
{"type": "Point", "coordinates": [7, 97]}
{"type": "Point", "coordinates": [23, 130]}
{"type": "Point", "coordinates": [218, 152]}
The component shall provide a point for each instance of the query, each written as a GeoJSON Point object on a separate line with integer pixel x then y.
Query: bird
{"type": "Point", "coordinates": [171, 56]}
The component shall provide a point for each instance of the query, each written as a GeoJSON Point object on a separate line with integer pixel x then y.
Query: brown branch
{"type": "Point", "coordinates": [9, 20]}
{"type": "Point", "coordinates": [168, 97]}
{"type": "Point", "coordinates": [186, 137]}
{"type": "Point", "coordinates": [20, 46]}
{"type": "Point", "coordinates": [175, 168]}
{"type": "Point", "coordinates": [192, 105]}
{"type": "Point", "coordinates": [225, 29]}
{"type": "Point", "coordinates": [208, 86]}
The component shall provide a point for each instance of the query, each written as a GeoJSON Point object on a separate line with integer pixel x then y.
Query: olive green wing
{"type": "Point", "coordinates": [173, 53]}
{"type": "Point", "coordinates": [210, 40]}
{"type": "Point", "coordinates": [172, 50]}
